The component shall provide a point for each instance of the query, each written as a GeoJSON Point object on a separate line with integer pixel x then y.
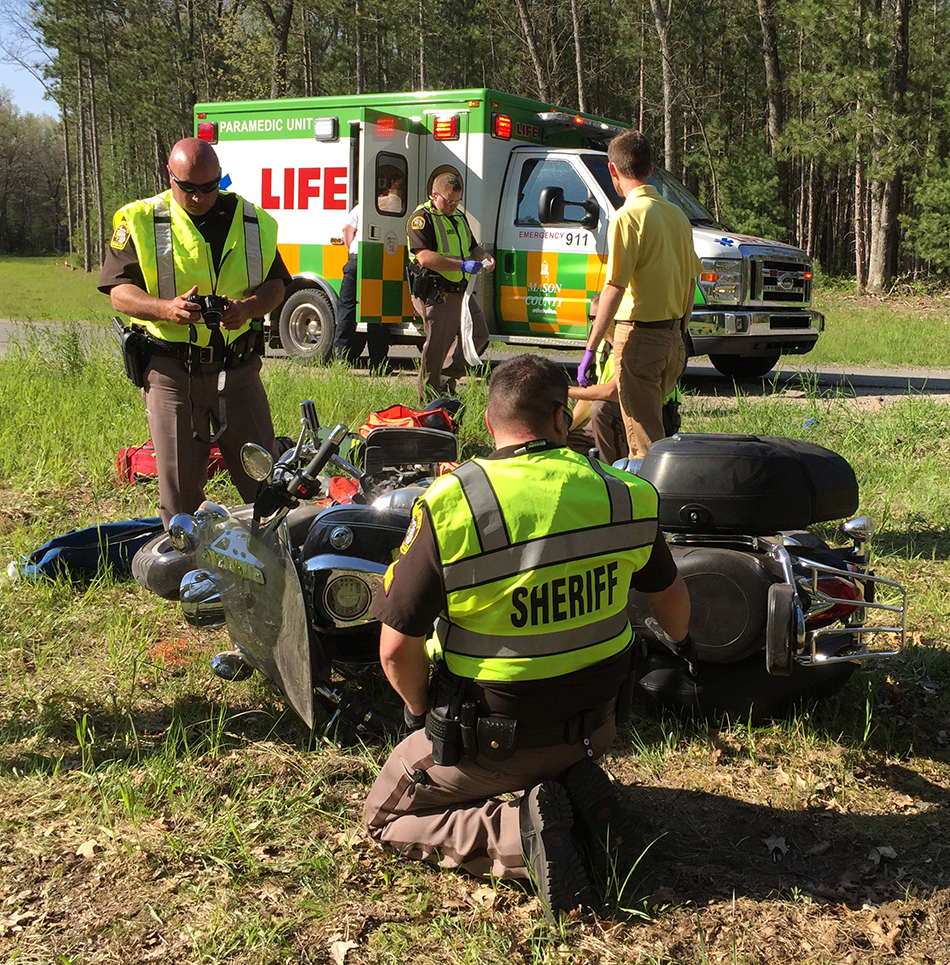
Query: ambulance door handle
{"type": "Point", "coordinates": [509, 262]}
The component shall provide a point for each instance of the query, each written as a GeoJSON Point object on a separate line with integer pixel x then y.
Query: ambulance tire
{"type": "Point", "coordinates": [307, 325]}
{"type": "Point", "coordinates": [742, 368]}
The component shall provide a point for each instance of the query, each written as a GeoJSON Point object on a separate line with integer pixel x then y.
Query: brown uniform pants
{"type": "Point", "coordinates": [604, 431]}
{"type": "Point", "coordinates": [647, 362]}
{"type": "Point", "coordinates": [453, 817]}
{"type": "Point", "coordinates": [443, 360]}
{"type": "Point", "coordinates": [174, 415]}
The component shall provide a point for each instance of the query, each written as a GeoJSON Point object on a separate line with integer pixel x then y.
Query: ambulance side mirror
{"type": "Point", "coordinates": [551, 209]}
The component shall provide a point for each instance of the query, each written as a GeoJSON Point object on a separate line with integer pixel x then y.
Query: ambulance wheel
{"type": "Point", "coordinates": [307, 325]}
{"type": "Point", "coordinates": [740, 368]}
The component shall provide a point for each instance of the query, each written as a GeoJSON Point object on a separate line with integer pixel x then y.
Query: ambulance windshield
{"type": "Point", "coordinates": [664, 182]}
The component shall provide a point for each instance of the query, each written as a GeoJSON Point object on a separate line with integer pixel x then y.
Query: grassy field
{"type": "Point", "coordinates": [890, 331]}
{"type": "Point", "coordinates": [151, 813]}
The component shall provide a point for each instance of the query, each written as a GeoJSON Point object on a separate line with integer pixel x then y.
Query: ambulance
{"type": "Point", "coordinates": [537, 194]}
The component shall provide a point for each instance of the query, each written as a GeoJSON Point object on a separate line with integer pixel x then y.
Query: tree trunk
{"type": "Point", "coordinates": [68, 162]}
{"type": "Point", "coordinates": [662, 21]}
{"type": "Point", "coordinates": [281, 27]}
{"type": "Point", "coordinates": [885, 194]}
{"type": "Point", "coordinates": [776, 95]}
{"type": "Point", "coordinates": [96, 170]}
{"type": "Point", "coordinates": [533, 50]}
{"type": "Point", "coordinates": [360, 69]}
{"type": "Point", "coordinates": [860, 274]}
{"type": "Point", "coordinates": [578, 61]}
{"type": "Point", "coordinates": [83, 188]}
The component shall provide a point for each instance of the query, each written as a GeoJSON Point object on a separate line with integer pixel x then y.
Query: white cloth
{"type": "Point", "coordinates": [468, 342]}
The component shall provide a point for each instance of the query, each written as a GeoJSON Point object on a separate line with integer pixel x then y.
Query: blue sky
{"type": "Point", "coordinates": [25, 91]}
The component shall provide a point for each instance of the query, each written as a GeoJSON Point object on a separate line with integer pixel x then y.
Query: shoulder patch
{"type": "Point", "coordinates": [388, 577]}
{"type": "Point", "coordinates": [412, 532]}
{"type": "Point", "coordinates": [417, 222]}
{"type": "Point", "coordinates": [120, 237]}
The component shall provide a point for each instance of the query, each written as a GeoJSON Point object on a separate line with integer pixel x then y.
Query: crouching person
{"type": "Point", "coordinates": [518, 565]}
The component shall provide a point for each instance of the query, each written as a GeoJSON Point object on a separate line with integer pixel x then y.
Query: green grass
{"type": "Point", "coordinates": [50, 289]}
{"type": "Point", "coordinates": [890, 331]}
{"type": "Point", "coordinates": [149, 812]}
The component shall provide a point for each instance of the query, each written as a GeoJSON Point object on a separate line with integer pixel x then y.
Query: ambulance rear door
{"type": "Point", "coordinates": [550, 249]}
{"type": "Point", "coordinates": [389, 185]}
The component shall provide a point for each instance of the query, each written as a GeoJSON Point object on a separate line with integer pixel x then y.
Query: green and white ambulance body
{"type": "Point", "coordinates": [537, 195]}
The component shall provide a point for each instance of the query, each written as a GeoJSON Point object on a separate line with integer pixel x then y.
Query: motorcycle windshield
{"type": "Point", "coordinates": [263, 604]}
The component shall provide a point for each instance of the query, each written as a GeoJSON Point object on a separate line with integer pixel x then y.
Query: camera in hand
{"type": "Point", "coordinates": [212, 308]}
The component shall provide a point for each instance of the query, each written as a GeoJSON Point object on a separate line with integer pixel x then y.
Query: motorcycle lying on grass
{"type": "Point", "coordinates": [293, 578]}
{"type": "Point", "coordinates": [778, 616]}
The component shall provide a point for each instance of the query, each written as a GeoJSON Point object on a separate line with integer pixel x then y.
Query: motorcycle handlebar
{"type": "Point", "coordinates": [305, 483]}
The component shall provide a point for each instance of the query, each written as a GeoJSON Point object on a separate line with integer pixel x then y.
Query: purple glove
{"type": "Point", "coordinates": [471, 267]}
{"type": "Point", "coordinates": [585, 371]}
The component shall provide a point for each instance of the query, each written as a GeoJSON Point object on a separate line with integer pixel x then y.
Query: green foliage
{"type": "Point", "coordinates": [929, 229]}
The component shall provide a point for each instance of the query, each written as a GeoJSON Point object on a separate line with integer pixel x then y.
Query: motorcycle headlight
{"type": "Point", "coordinates": [347, 597]}
{"type": "Point", "coordinates": [721, 280]}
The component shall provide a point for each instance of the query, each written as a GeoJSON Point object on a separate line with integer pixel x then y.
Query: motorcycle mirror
{"type": "Point", "coordinates": [258, 463]}
{"type": "Point", "coordinates": [860, 529]}
{"type": "Point", "coordinates": [183, 533]}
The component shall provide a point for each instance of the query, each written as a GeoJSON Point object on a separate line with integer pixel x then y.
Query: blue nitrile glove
{"type": "Point", "coordinates": [470, 266]}
{"type": "Point", "coordinates": [585, 371]}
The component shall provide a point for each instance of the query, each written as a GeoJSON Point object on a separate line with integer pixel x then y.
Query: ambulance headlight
{"type": "Point", "coordinates": [721, 280]}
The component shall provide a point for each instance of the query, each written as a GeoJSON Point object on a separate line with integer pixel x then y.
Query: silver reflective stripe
{"type": "Point", "coordinates": [486, 511]}
{"type": "Point", "coordinates": [621, 506]}
{"type": "Point", "coordinates": [585, 544]}
{"type": "Point", "coordinates": [467, 643]}
{"type": "Point", "coordinates": [252, 246]}
{"type": "Point", "coordinates": [443, 236]}
{"type": "Point", "coordinates": [164, 256]}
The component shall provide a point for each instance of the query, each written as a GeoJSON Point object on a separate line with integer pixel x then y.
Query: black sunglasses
{"type": "Point", "coordinates": [190, 188]}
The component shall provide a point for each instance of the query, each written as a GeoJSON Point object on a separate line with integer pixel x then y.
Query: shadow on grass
{"type": "Point", "coordinates": [715, 848]}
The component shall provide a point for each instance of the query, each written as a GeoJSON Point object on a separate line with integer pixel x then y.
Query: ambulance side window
{"type": "Point", "coordinates": [392, 172]}
{"type": "Point", "coordinates": [540, 173]}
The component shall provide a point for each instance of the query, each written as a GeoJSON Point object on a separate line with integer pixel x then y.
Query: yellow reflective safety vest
{"type": "Point", "coordinates": [537, 551]}
{"type": "Point", "coordinates": [174, 257]}
{"type": "Point", "coordinates": [453, 236]}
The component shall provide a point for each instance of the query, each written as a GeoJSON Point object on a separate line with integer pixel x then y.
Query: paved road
{"type": "Point", "coordinates": [794, 373]}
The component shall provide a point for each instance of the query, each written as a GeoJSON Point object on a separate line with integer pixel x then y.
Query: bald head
{"type": "Point", "coordinates": [193, 152]}
{"type": "Point", "coordinates": [193, 162]}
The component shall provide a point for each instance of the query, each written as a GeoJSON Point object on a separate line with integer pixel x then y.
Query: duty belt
{"type": "Point", "coordinates": [570, 731]}
{"type": "Point", "coordinates": [666, 324]}
{"type": "Point", "coordinates": [440, 283]}
{"type": "Point", "coordinates": [224, 356]}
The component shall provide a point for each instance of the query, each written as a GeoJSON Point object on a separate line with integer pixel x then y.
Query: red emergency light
{"type": "Point", "coordinates": [386, 127]}
{"type": "Point", "coordinates": [501, 126]}
{"type": "Point", "coordinates": [579, 120]}
{"type": "Point", "coordinates": [207, 130]}
{"type": "Point", "coordinates": [445, 127]}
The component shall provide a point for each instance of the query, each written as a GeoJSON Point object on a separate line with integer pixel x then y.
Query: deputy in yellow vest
{"type": "Point", "coordinates": [200, 382]}
{"type": "Point", "coordinates": [441, 243]}
{"type": "Point", "coordinates": [517, 567]}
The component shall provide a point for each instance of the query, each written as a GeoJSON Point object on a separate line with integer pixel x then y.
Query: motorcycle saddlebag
{"type": "Point", "coordinates": [719, 482]}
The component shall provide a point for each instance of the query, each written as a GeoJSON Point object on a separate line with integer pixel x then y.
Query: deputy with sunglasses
{"type": "Point", "coordinates": [199, 370]}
